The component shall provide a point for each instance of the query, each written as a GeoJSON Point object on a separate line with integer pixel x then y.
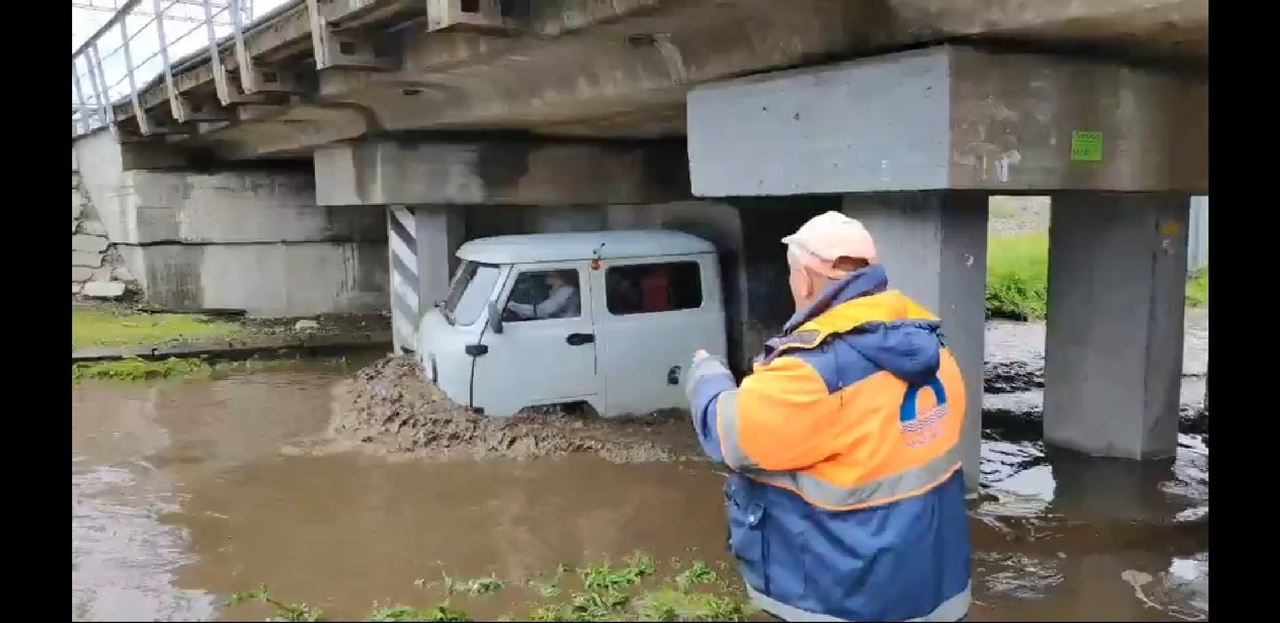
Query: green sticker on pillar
{"type": "Point", "coordinates": [1086, 146]}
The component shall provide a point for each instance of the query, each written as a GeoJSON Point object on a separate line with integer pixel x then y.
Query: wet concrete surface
{"type": "Point", "coordinates": [183, 493]}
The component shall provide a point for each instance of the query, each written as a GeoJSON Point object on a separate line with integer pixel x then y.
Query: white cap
{"type": "Point", "coordinates": [831, 235]}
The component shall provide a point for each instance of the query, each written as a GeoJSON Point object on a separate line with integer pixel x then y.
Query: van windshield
{"type": "Point", "coordinates": [472, 286]}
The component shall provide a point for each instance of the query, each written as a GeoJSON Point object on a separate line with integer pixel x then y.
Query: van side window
{"type": "Point", "coordinates": [542, 295]}
{"type": "Point", "coordinates": [651, 288]}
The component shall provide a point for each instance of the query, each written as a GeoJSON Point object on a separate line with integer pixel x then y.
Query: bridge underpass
{"type": "Point", "coordinates": [461, 119]}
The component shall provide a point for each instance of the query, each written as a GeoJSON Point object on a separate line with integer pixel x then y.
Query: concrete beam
{"type": "Point", "coordinates": [628, 65]}
{"type": "Point", "coordinates": [230, 207]}
{"type": "Point", "coordinates": [950, 117]}
{"type": "Point", "coordinates": [332, 48]}
{"type": "Point", "coordinates": [496, 173]}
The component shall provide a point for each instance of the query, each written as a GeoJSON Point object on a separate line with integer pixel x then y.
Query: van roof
{"type": "Point", "coordinates": [526, 248]}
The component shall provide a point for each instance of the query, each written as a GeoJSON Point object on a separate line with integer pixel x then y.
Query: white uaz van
{"type": "Point", "coordinates": [609, 318]}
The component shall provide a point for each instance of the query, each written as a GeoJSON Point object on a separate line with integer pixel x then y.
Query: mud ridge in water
{"type": "Point", "coordinates": [1012, 425]}
{"type": "Point", "coordinates": [390, 408]}
{"type": "Point", "coordinates": [1011, 377]}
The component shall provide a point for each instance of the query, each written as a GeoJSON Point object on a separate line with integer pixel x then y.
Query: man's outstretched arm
{"type": "Point", "coordinates": [781, 419]}
{"type": "Point", "coordinates": [709, 379]}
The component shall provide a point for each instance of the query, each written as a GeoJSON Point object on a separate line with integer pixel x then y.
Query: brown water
{"type": "Point", "coordinates": [183, 493]}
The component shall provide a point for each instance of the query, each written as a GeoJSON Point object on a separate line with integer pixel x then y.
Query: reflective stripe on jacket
{"type": "Point", "coordinates": [846, 501]}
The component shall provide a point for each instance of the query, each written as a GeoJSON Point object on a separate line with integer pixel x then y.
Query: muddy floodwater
{"type": "Point", "coordinates": [183, 493]}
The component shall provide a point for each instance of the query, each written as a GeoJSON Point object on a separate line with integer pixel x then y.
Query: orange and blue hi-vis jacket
{"type": "Point", "coordinates": [845, 497]}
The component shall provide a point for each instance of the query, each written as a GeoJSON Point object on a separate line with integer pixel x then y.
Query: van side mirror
{"type": "Point", "coordinates": [495, 317]}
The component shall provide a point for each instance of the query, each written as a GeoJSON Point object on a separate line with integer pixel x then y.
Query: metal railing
{"type": "Point", "coordinates": [138, 42]}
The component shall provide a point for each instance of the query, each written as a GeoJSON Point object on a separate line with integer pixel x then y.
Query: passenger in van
{"type": "Point", "coordinates": [655, 289]}
{"type": "Point", "coordinates": [623, 295]}
{"type": "Point", "coordinates": [845, 496]}
{"type": "Point", "coordinates": [562, 301]}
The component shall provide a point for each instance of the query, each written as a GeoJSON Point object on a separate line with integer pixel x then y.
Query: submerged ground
{"type": "Point", "coordinates": [187, 492]}
{"type": "Point", "coordinates": [353, 490]}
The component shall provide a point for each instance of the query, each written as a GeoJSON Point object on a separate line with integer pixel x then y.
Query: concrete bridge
{"type": "Point", "coordinates": [733, 119]}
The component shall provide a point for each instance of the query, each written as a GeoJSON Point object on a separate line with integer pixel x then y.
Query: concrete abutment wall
{"type": "Point", "coordinates": [97, 268]}
{"type": "Point", "coordinates": [251, 239]}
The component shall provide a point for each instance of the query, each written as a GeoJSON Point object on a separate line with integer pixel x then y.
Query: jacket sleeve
{"type": "Point", "coordinates": [781, 419]}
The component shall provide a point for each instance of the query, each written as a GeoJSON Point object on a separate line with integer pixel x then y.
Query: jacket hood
{"type": "Point", "coordinates": [885, 326]}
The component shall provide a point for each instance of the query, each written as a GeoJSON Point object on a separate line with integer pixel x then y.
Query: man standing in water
{"type": "Point", "coordinates": [845, 497]}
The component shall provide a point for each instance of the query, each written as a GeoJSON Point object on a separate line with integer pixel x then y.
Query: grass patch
{"type": "Point", "coordinates": [108, 327]}
{"type": "Point", "coordinates": [135, 369]}
{"type": "Point", "coordinates": [1198, 288]}
{"type": "Point", "coordinates": [632, 591]}
{"type": "Point", "coordinates": [1018, 278]}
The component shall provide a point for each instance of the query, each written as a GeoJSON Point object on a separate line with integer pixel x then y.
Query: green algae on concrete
{"type": "Point", "coordinates": [135, 369]}
{"type": "Point", "coordinates": [105, 326]}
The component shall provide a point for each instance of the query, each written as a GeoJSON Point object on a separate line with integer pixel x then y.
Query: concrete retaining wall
{"type": "Point", "coordinates": [97, 270]}
{"type": "Point", "coordinates": [240, 239]}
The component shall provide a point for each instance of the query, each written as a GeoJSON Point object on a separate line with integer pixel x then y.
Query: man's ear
{"type": "Point", "coordinates": [809, 287]}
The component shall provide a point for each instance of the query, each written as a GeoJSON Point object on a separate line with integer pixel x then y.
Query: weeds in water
{"type": "Point", "coordinates": [477, 586]}
{"type": "Point", "coordinates": [604, 577]}
{"type": "Point", "coordinates": [284, 611]}
{"type": "Point", "coordinates": [697, 573]}
{"type": "Point", "coordinates": [602, 592]}
{"type": "Point", "coordinates": [441, 612]}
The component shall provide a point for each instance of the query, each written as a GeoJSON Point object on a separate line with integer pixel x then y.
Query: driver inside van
{"type": "Point", "coordinates": [561, 302]}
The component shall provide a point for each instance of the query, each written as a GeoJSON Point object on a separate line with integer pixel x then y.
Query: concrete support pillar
{"type": "Point", "coordinates": [934, 247]}
{"type": "Point", "coordinates": [1113, 348]}
{"type": "Point", "coordinates": [422, 242]}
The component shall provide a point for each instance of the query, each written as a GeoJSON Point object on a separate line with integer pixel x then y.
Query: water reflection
{"type": "Point", "coordinates": [1096, 538]}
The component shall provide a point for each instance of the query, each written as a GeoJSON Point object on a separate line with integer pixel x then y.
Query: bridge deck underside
{"type": "Point", "coordinates": [581, 68]}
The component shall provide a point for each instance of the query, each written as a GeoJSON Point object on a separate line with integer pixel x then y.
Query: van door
{"type": "Point", "coordinates": [546, 352]}
{"type": "Point", "coordinates": [657, 312]}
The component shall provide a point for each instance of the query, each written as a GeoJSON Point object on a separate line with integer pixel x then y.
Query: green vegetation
{"type": "Point", "coordinates": [135, 369]}
{"type": "Point", "coordinates": [1198, 288]}
{"type": "Point", "coordinates": [602, 592]}
{"type": "Point", "coordinates": [1018, 278]}
{"type": "Point", "coordinates": [102, 326]}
